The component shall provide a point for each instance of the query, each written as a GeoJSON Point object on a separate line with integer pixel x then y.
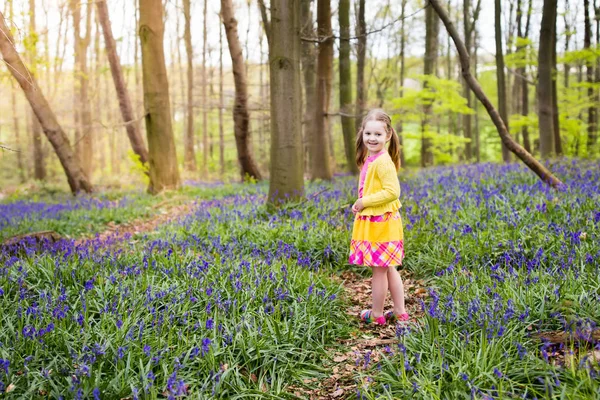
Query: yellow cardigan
{"type": "Point", "coordinates": [381, 188]}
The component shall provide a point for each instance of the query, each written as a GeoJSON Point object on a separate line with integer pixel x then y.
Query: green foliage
{"type": "Point", "coordinates": [139, 168]}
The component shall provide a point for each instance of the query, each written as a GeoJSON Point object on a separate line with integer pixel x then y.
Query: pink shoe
{"type": "Point", "coordinates": [390, 316]}
{"type": "Point", "coordinates": [366, 316]}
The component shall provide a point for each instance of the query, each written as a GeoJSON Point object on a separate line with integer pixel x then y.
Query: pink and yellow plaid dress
{"type": "Point", "coordinates": [377, 240]}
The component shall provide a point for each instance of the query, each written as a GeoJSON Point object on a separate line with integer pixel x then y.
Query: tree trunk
{"type": "Point", "coordinates": [84, 144]}
{"type": "Point", "coordinates": [501, 76]}
{"type": "Point", "coordinates": [399, 125]}
{"type": "Point", "coordinates": [466, 118]}
{"type": "Point", "coordinates": [544, 174]}
{"type": "Point", "coordinates": [17, 129]}
{"type": "Point", "coordinates": [241, 116]}
{"type": "Point", "coordinates": [205, 134]}
{"type": "Point", "coordinates": [161, 145]}
{"type": "Point", "coordinates": [346, 87]}
{"type": "Point", "coordinates": [320, 163]}
{"type": "Point", "coordinates": [361, 56]}
{"type": "Point", "coordinates": [544, 87]}
{"type": "Point", "coordinates": [75, 175]}
{"type": "Point", "coordinates": [310, 74]}
{"type": "Point", "coordinates": [221, 105]}
{"type": "Point", "coordinates": [429, 68]}
{"type": "Point", "coordinates": [132, 125]}
{"type": "Point", "coordinates": [555, 115]}
{"type": "Point", "coordinates": [287, 172]}
{"type": "Point", "coordinates": [521, 73]}
{"type": "Point", "coordinates": [189, 158]}
{"type": "Point", "coordinates": [39, 167]}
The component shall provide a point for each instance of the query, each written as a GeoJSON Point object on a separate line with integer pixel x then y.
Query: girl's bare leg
{"type": "Point", "coordinates": [379, 288]}
{"type": "Point", "coordinates": [396, 289]}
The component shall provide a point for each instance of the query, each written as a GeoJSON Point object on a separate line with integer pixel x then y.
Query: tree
{"type": "Point", "coordinates": [544, 174]}
{"type": "Point", "coordinates": [159, 131]}
{"type": "Point", "coordinates": [469, 23]}
{"type": "Point", "coordinates": [189, 153]}
{"type": "Point", "coordinates": [205, 134]}
{"type": "Point", "coordinates": [309, 73]}
{"type": "Point", "coordinates": [501, 74]}
{"type": "Point", "coordinates": [361, 55]}
{"type": "Point", "coordinates": [320, 163]}
{"type": "Point", "coordinates": [39, 167]}
{"type": "Point", "coordinates": [77, 179]}
{"type": "Point", "coordinates": [544, 87]}
{"type": "Point", "coordinates": [429, 68]}
{"type": "Point", "coordinates": [132, 125]}
{"type": "Point", "coordinates": [241, 116]}
{"type": "Point", "coordinates": [523, 34]}
{"type": "Point", "coordinates": [346, 87]}
{"type": "Point", "coordinates": [287, 165]}
{"type": "Point", "coordinates": [399, 125]}
{"type": "Point", "coordinates": [81, 106]}
{"type": "Point", "coordinates": [592, 112]}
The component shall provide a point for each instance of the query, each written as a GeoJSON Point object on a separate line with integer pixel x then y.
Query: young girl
{"type": "Point", "coordinates": [377, 236]}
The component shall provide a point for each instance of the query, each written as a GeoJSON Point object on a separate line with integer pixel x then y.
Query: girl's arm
{"type": "Point", "coordinates": [390, 186]}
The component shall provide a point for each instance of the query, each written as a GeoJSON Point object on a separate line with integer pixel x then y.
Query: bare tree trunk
{"type": "Point", "coordinates": [205, 134]}
{"type": "Point", "coordinates": [346, 87]}
{"type": "Point", "coordinates": [75, 175]}
{"type": "Point", "coordinates": [189, 153]}
{"type": "Point", "coordinates": [429, 68]}
{"type": "Point", "coordinates": [39, 167]}
{"type": "Point", "coordinates": [544, 87]}
{"type": "Point", "coordinates": [320, 164]}
{"type": "Point", "coordinates": [468, 34]}
{"type": "Point", "coordinates": [361, 56]}
{"type": "Point", "coordinates": [84, 143]}
{"type": "Point", "coordinates": [555, 115]}
{"type": "Point", "coordinates": [501, 76]}
{"type": "Point", "coordinates": [241, 116]}
{"type": "Point", "coordinates": [17, 129]}
{"type": "Point", "coordinates": [161, 145]}
{"type": "Point", "coordinates": [521, 72]}
{"type": "Point", "coordinates": [310, 74]}
{"type": "Point", "coordinates": [287, 172]}
{"type": "Point", "coordinates": [544, 174]}
{"type": "Point", "coordinates": [399, 125]}
{"type": "Point", "coordinates": [476, 103]}
{"type": "Point", "coordinates": [132, 125]}
{"type": "Point", "coordinates": [221, 105]}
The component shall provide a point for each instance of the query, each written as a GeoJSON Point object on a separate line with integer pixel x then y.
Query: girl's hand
{"type": "Point", "coordinates": [357, 206]}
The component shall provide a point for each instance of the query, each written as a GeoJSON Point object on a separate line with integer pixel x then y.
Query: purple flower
{"type": "Point", "coordinates": [205, 346]}
{"type": "Point", "coordinates": [210, 323]}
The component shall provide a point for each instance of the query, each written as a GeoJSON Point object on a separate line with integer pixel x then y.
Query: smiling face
{"type": "Point", "coordinates": [375, 136]}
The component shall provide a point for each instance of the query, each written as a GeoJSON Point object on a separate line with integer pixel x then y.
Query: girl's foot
{"type": "Point", "coordinates": [367, 316]}
{"type": "Point", "coordinates": [390, 316]}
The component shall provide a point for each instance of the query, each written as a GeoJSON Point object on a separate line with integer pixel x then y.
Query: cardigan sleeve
{"type": "Point", "coordinates": [390, 187]}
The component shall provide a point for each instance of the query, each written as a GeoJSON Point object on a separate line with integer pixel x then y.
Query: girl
{"type": "Point", "coordinates": [377, 236]}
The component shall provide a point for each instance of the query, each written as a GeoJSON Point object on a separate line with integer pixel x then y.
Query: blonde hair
{"type": "Point", "coordinates": [378, 114]}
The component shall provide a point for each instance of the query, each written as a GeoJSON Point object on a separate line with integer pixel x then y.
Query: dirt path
{"type": "Point", "coordinates": [364, 349]}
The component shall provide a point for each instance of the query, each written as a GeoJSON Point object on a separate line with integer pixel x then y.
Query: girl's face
{"type": "Point", "coordinates": [375, 136]}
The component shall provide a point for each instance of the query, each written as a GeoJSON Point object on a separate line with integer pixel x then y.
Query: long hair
{"type": "Point", "coordinates": [378, 114]}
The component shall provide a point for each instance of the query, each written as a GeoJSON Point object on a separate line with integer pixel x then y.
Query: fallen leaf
{"type": "Point", "coordinates": [337, 393]}
{"type": "Point", "coordinates": [253, 378]}
{"type": "Point", "coordinates": [10, 388]}
{"type": "Point", "coordinates": [340, 359]}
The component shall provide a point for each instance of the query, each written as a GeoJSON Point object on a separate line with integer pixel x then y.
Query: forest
{"type": "Point", "coordinates": [177, 180]}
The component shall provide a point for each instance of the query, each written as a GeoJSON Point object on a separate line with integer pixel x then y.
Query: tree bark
{"type": "Point", "coordinates": [132, 125]}
{"type": "Point", "coordinates": [17, 129]}
{"type": "Point", "coordinates": [320, 164]}
{"type": "Point", "coordinates": [221, 105]}
{"type": "Point", "coordinates": [592, 110]}
{"type": "Point", "coordinates": [544, 174]}
{"type": "Point", "coordinates": [555, 115]}
{"type": "Point", "coordinates": [501, 75]}
{"type": "Point", "coordinates": [429, 68]}
{"type": "Point", "coordinates": [544, 87]}
{"type": "Point", "coordinates": [241, 116]}
{"type": "Point", "coordinates": [310, 73]}
{"type": "Point", "coordinates": [287, 166]}
{"type": "Point", "coordinates": [159, 131]}
{"type": "Point", "coordinates": [189, 153]}
{"type": "Point", "coordinates": [399, 125]}
{"type": "Point", "coordinates": [361, 56]}
{"type": "Point", "coordinates": [206, 139]}
{"type": "Point", "coordinates": [346, 87]}
{"type": "Point", "coordinates": [84, 140]}
{"type": "Point", "coordinates": [75, 175]}
{"type": "Point", "coordinates": [521, 72]}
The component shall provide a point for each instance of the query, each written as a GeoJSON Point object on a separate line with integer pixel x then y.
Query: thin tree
{"type": "Point", "coordinates": [555, 116]}
{"type": "Point", "coordinates": [544, 174]}
{"type": "Point", "coordinates": [361, 56]}
{"type": "Point", "coordinates": [206, 140]}
{"type": "Point", "coordinates": [523, 33]}
{"type": "Point", "coordinates": [39, 166]}
{"type": "Point", "coordinates": [159, 131]}
{"type": "Point", "coordinates": [17, 130]}
{"type": "Point", "coordinates": [346, 87]}
{"type": "Point", "coordinates": [221, 104]}
{"type": "Point", "coordinates": [82, 110]}
{"type": "Point", "coordinates": [132, 125]}
{"type": "Point", "coordinates": [469, 24]}
{"type": "Point", "coordinates": [241, 116]}
{"type": "Point", "coordinates": [309, 74]}
{"type": "Point", "coordinates": [544, 87]}
{"type": "Point", "coordinates": [429, 68]}
{"type": "Point", "coordinates": [399, 125]}
{"type": "Point", "coordinates": [501, 74]}
{"type": "Point", "coordinates": [189, 153]}
{"type": "Point", "coordinates": [320, 163]}
{"type": "Point", "coordinates": [592, 111]}
{"type": "Point", "coordinates": [287, 172]}
{"type": "Point", "coordinates": [53, 131]}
